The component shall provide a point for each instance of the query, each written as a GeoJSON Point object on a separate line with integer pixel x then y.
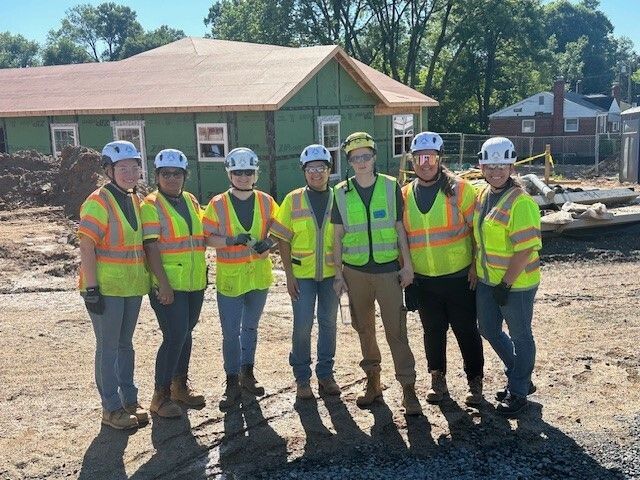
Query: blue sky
{"type": "Point", "coordinates": [34, 18]}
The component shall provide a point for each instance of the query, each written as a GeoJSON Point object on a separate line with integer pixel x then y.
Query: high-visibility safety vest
{"type": "Point", "coordinates": [311, 244]}
{"type": "Point", "coordinates": [181, 251]}
{"type": "Point", "coordinates": [511, 226]}
{"type": "Point", "coordinates": [358, 222]}
{"type": "Point", "coordinates": [440, 241]}
{"type": "Point", "coordinates": [120, 261]}
{"type": "Point", "coordinates": [238, 268]}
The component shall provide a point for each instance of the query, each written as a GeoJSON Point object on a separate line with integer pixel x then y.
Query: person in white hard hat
{"type": "Point", "coordinates": [237, 224]}
{"type": "Point", "coordinates": [174, 245]}
{"type": "Point", "coordinates": [305, 237]}
{"type": "Point", "coordinates": [506, 227]}
{"type": "Point", "coordinates": [438, 218]}
{"type": "Point", "coordinates": [113, 279]}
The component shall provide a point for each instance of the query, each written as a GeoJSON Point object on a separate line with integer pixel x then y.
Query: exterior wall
{"type": "Point", "coordinates": [544, 127]}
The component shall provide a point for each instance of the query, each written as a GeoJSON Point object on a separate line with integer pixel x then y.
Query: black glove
{"type": "Point", "coordinates": [94, 300]}
{"type": "Point", "coordinates": [501, 293]}
{"type": "Point", "coordinates": [241, 239]}
{"type": "Point", "coordinates": [263, 245]}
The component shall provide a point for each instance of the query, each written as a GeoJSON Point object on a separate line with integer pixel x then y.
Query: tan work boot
{"type": "Point", "coordinates": [181, 391]}
{"type": "Point", "coordinates": [372, 391]}
{"type": "Point", "coordinates": [232, 393]}
{"type": "Point", "coordinates": [119, 419]}
{"type": "Point", "coordinates": [163, 406]}
{"type": "Point", "coordinates": [438, 387]}
{"type": "Point", "coordinates": [248, 381]}
{"type": "Point", "coordinates": [328, 386]}
{"type": "Point", "coordinates": [137, 411]}
{"type": "Point", "coordinates": [474, 393]}
{"type": "Point", "coordinates": [304, 392]}
{"type": "Point", "coordinates": [410, 400]}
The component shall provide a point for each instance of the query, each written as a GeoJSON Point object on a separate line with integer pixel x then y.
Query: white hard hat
{"type": "Point", "coordinates": [241, 159]}
{"type": "Point", "coordinates": [120, 150]}
{"type": "Point", "coordinates": [170, 157]}
{"type": "Point", "coordinates": [497, 150]}
{"type": "Point", "coordinates": [426, 141]}
{"type": "Point", "coordinates": [315, 152]}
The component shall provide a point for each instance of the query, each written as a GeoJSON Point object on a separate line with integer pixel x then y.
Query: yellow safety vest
{"type": "Point", "coordinates": [311, 244]}
{"type": "Point", "coordinates": [440, 241]}
{"type": "Point", "coordinates": [238, 268]}
{"type": "Point", "coordinates": [120, 261]}
{"type": "Point", "coordinates": [182, 252]}
{"type": "Point", "coordinates": [503, 233]}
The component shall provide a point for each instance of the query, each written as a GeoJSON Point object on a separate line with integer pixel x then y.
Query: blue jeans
{"type": "Point", "coordinates": [239, 317]}
{"type": "Point", "coordinates": [176, 320]}
{"type": "Point", "coordinates": [114, 359]}
{"type": "Point", "coordinates": [517, 350]}
{"type": "Point", "coordinates": [303, 313]}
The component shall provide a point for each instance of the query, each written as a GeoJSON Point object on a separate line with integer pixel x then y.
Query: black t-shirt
{"type": "Point", "coordinates": [244, 209]}
{"type": "Point", "coordinates": [365, 194]}
{"type": "Point", "coordinates": [125, 202]}
{"type": "Point", "coordinates": [180, 205]}
{"type": "Point", "coordinates": [426, 195]}
{"type": "Point", "coordinates": [318, 201]}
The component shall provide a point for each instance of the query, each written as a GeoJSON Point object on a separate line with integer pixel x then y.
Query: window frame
{"type": "Point", "coordinates": [615, 127]}
{"type": "Point", "coordinates": [117, 125]}
{"type": "Point", "coordinates": [63, 126]}
{"type": "Point", "coordinates": [225, 134]}
{"type": "Point", "coordinates": [403, 136]}
{"type": "Point", "coordinates": [577, 125]}
{"type": "Point", "coordinates": [337, 160]}
{"type": "Point", "coordinates": [522, 127]}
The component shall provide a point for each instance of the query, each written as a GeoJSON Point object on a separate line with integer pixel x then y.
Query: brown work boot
{"type": "Point", "coordinates": [474, 394]}
{"type": "Point", "coordinates": [120, 419]}
{"type": "Point", "coordinates": [232, 393]}
{"type": "Point", "coordinates": [137, 411]}
{"type": "Point", "coordinates": [328, 386]}
{"type": "Point", "coordinates": [372, 391]}
{"type": "Point", "coordinates": [304, 392]}
{"type": "Point", "coordinates": [181, 391]}
{"type": "Point", "coordinates": [410, 401]}
{"type": "Point", "coordinates": [438, 387]}
{"type": "Point", "coordinates": [248, 381]}
{"type": "Point", "coordinates": [163, 406]}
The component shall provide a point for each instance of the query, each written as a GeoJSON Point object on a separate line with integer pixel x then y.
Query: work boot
{"type": "Point", "coordinates": [249, 382]}
{"type": "Point", "coordinates": [137, 411]}
{"type": "Point", "coordinates": [328, 386]}
{"type": "Point", "coordinates": [163, 406]}
{"type": "Point", "coordinates": [438, 387]}
{"type": "Point", "coordinates": [474, 393]}
{"type": "Point", "coordinates": [120, 419]}
{"type": "Point", "coordinates": [410, 401]}
{"type": "Point", "coordinates": [232, 393]}
{"type": "Point", "coordinates": [512, 405]}
{"type": "Point", "coordinates": [304, 392]}
{"type": "Point", "coordinates": [181, 391]}
{"type": "Point", "coordinates": [372, 391]}
{"type": "Point", "coordinates": [502, 394]}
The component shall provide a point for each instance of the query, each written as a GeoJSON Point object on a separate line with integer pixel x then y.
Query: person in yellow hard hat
{"type": "Point", "coordinates": [174, 245]}
{"type": "Point", "coordinates": [113, 279]}
{"type": "Point", "coordinates": [506, 227]}
{"type": "Point", "coordinates": [369, 244]}
{"type": "Point", "coordinates": [438, 217]}
{"type": "Point", "coordinates": [237, 224]}
{"type": "Point", "coordinates": [305, 238]}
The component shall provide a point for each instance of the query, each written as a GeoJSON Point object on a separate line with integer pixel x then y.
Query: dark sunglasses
{"type": "Point", "coordinates": [246, 173]}
{"type": "Point", "coordinates": [169, 174]}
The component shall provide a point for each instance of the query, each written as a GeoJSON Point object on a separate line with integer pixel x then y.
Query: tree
{"type": "Point", "coordinates": [17, 52]}
{"type": "Point", "coordinates": [61, 50]}
{"type": "Point", "coordinates": [150, 40]}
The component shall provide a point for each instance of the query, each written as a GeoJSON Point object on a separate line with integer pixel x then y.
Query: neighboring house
{"type": "Point", "coordinates": [206, 97]}
{"type": "Point", "coordinates": [560, 113]}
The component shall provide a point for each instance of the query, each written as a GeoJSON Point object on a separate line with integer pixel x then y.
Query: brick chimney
{"type": "Point", "coordinates": [558, 107]}
{"type": "Point", "coordinates": [615, 92]}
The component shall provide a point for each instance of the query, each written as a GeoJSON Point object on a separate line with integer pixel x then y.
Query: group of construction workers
{"type": "Point", "coordinates": [462, 257]}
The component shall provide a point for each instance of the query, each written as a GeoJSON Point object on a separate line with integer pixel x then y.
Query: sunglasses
{"type": "Point", "coordinates": [247, 173]}
{"type": "Point", "coordinates": [169, 174]}
{"type": "Point", "coordinates": [501, 167]}
{"type": "Point", "coordinates": [365, 157]}
{"type": "Point", "coordinates": [320, 169]}
{"type": "Point", "coordinates": [430, 160]}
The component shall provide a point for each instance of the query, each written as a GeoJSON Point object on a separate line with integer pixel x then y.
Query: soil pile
{"type": "Point", "coordinates": [26, 179]}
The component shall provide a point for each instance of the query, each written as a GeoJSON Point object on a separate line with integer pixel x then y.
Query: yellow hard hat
{"type": "Point", "coordinates": [358, 140]}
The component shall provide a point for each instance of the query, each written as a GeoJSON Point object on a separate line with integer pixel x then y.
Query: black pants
{"type": "Point", "coordinates": [443, 302]}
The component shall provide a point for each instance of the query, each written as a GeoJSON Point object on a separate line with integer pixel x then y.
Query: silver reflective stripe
{"type": "Point", "coordinates": [114, 224]}
{"type": "Point", "coordinates": [221, 213]}
{"type": "Point", "coordinates": [302, 213]}
{"type": "Point", "coordinates": [385, 247]}
{"type": "Point", "coordinates": [182, 244]}
{"type": "Point", "coordinates": [498, 260]}
{"type": "Point", "coordinates": [354, 250]}
{"type": "Point", "coordinates": [438, 236]}
{"type": "Point", "coordinates": [360, 227]}
{"type": "Point", "coordinates": [244, 253]}
{"type": "Point", "coordinates": [525, 235]}
{"type": "Point", "coordinates": [533, 266]}
{"type": "Point", "coordinates": [88, 225]}
{"type": "Point", "coordinates": [341, 202]}
{"type": "Point", "coordinates": [120, 254]}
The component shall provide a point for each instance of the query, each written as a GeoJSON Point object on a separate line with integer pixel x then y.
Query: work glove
{"type": "Point", "coordinates": [501, 293]}
{"type": "Point", "coordinates": [94, 300]}
{"type": "Point", "coordinates": [241, 239]}
{"type": "Point", "coordinates": [263, 245]}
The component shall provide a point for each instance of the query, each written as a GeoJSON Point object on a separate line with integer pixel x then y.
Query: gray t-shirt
{"type": "Point", "coordinates": [426, 195]}
{"type": "Point", "coordinates": [318, 201]}
{"type": "Point", "coordinates": [180, 205]}
{"type": "Point", "coordinates": [244, 209]}
{"type": "Point", "coordinates": [125, 202]}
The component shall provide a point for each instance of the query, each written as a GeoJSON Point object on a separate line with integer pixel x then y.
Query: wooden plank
{"type": "Point", "coordinates": [614, 196]}
{"type": "Point", "coordinates": [581, 223]}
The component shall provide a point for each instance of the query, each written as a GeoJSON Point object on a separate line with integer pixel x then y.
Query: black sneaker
{"type": "Point", "coordinates": [502, 394]}
{"type": "Point", "coordinates": [512, 405]}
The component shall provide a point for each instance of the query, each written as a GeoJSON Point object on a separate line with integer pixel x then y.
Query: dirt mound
{"type": "Point", "coordinates": [26, 179]}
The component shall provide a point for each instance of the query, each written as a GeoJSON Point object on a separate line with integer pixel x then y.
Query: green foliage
{"type": "Point", "coordinates": [150, 40]}
{"type": "Point", "coordinates": [63, 51]}
{"type": "Point", "coordinates": [16, 51]}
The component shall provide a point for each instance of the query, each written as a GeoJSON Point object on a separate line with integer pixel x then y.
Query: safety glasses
{"type": "Point", "coordinates": [240, 173]}
{"type": "Point", "coordinates": [497, 167]}
{"type": "Point", "coordinates": [425, 159]}
{"type": "Point", "coordinates": [365, 157]}
{"type": "Point", "coordinates": [171, 173]}
{"type": "Point", "coordinates": [319, 169]}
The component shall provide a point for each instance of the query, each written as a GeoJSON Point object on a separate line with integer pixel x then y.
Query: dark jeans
{"type": "Point", "coordinates": [176, 322]}
{"type": "Point", "coordinates": [443, 302]}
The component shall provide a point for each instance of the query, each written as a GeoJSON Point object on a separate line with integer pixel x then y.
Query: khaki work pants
{"type": "Point", "coordinates": [364, 290]}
